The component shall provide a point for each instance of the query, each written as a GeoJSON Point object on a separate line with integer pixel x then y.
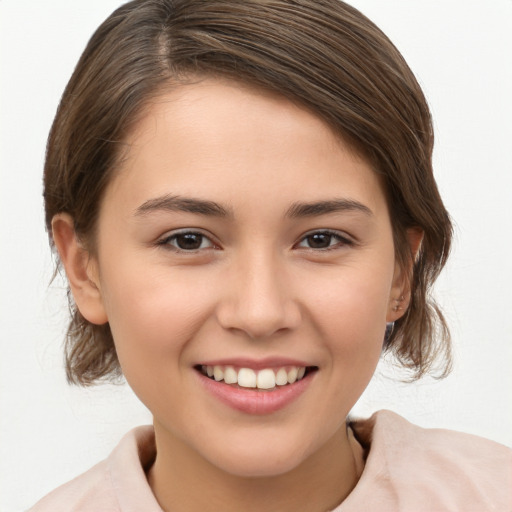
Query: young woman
{"type": "Point", "coordinates": [241, 195]}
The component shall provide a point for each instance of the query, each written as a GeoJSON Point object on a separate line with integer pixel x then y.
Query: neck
{"type": "Point", "coordinates": [182, 480]}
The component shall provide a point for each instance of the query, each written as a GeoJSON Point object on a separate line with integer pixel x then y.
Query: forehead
{"type": "Point", "coordinates": [229, 140]}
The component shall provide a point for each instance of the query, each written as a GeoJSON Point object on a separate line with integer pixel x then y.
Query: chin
{"type": "Point", "coordinates": [258, 466]}
{"type": "Point", "coordinates": [253, 459]}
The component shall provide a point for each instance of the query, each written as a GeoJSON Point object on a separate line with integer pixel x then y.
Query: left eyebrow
{"type": "Point", "coordinates": [325, 207]}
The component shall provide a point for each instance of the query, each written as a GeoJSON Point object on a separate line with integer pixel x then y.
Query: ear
{"type": "Point", "coordinates": [400, 295]}
{"type": "Point", "coordinates": [81, 269]}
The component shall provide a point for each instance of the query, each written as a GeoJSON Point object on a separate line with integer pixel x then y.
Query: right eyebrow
{"type": "Point", "coordinates": [176, 203]}
{"type": "Point", "coordinates": [318, 208]}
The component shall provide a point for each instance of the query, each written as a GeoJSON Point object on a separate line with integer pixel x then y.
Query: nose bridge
{"type": "Point", "coordinates": [258, 299]}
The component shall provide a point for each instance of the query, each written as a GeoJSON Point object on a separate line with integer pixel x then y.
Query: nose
{"type": "Point", "coordinates": [258, 299]}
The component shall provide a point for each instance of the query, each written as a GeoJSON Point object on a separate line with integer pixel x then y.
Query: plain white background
{"type": "Point", "coordinates": [461, 52]}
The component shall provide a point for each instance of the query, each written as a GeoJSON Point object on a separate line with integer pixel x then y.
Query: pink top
{"type": "Point", "coordinates": [407, 468]}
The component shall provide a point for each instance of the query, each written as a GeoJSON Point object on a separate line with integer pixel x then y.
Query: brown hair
{"type": "Point", "coordinates": [322, 54]}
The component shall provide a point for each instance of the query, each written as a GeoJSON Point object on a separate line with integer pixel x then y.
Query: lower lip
{"type": "Point", "coordinates": [253, 401]}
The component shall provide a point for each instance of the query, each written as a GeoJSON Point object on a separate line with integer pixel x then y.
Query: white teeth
{"type": "Point", "coordinates": [266, 379]}
{"type": "Point", "coordinates": [218, 374]}
{"type": "Point", "coordinates": [292, 375]}
{"type": "Point", "coordinates": [230, 375]}
{"type": "Point", "coordinates": [249, 378]}
{"type": "Point", "coordinates": [282, 377]}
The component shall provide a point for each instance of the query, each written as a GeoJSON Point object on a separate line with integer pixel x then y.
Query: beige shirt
{"type": "Point", "coordinates": [407, 469]}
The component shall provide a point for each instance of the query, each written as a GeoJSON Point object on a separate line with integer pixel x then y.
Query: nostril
{"type": "Point", "coordinates": [259, 308]}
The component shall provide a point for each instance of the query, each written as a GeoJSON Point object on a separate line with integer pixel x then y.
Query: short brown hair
{"type": "Point", "coordinates": [322, 54]}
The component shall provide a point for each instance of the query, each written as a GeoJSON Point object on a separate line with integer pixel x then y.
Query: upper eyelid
{"type": "Point", "coordinates": [345, 237]}
{"type": "Point", "coordinates": [184, 231]}
{"type": "Point", "coordinates": [164, 240]}
{"type": "Point", "coordinates": [334, 232]}
{"type": "Point", "coordinates": [344, 241]}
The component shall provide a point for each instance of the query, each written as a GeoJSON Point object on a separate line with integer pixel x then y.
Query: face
{"type": "Point", "coordinates": [240, 237]}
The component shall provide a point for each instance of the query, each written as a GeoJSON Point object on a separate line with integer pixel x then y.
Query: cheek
{"type": "Point", "coordinates": [355, 297]}
{"type": "Point", "coordinates": [353, 335]}
{"type": "Point", "coordinates": [350, 314]}
{"type": "Point", "coordinates": [153, 315]}
{"type": "Point", "coordinates": [153, 318]}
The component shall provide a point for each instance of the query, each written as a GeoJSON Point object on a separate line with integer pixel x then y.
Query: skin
{"type": "Point", "coordinates": [255, 288]}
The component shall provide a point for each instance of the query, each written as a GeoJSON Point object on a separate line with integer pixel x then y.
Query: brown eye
{"type": "Point", "coordinates": [319, 240]}
{"type": "Point", "coordinates": [187, 241]}
{"type": "Point", "coordinates": [323, 240]}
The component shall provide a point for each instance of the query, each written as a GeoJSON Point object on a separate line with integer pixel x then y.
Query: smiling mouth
{"type": "Point", "coordinates": [265, 379]}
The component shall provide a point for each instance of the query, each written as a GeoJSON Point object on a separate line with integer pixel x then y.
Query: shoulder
{"type": "Point", "coordinates": [433, 469]}
{"type": "Point", "coordinates": [116, 484]}
{"type": "Point", "coordinates": [90, 491]}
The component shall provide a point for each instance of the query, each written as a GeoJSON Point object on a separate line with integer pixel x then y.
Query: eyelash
{"type": "Point", "coordinates": [342, 240]}
{"type": "Point", "coordinates": [166, 242]}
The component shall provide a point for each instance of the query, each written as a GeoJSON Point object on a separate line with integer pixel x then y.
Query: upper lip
{"type": "Point", "coordinates": [255, 364]}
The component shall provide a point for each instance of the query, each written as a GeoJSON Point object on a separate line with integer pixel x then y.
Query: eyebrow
{"type": "Point", "coordinates": [317, 208]}
{"type": "Point", "coordinates": [174, 203]}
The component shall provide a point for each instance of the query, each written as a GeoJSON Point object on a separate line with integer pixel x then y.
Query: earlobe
{"type": "Point", "coordinates": [80, 269]}
{"type": "Point", "coordinates": [398, 304]}
{"type": "Point", "coordinates": [401, 291]}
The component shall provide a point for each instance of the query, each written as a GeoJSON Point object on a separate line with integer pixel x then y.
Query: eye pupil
{"type": "Point", "coordinates": [319, 240]}
{"type": "Point", "coordinates": [189, 241]}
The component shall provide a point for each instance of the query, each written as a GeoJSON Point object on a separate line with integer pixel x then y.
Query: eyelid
{"type": "Point", "coordinates": [344, 239]}
{"type": "Point", "coordinates": [164, 240]}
